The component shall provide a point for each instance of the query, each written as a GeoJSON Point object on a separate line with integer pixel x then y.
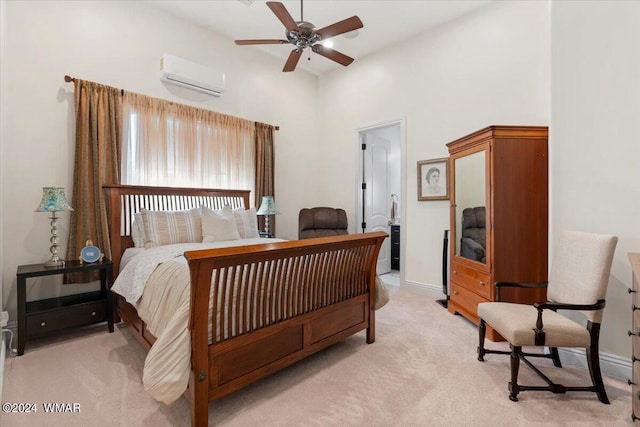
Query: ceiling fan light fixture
{"type": "Point", "coordinates": [328, 43]}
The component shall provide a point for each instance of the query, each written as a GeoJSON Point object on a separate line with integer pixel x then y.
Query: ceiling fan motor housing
{"type": "Point", "coordinates": [304, 36]}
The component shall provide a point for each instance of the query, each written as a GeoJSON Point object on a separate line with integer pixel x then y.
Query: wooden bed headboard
{"type": "Point", "coordinates": [132, 198]}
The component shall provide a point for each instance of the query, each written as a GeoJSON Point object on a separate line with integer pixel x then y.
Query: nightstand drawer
{"type": "Point", "coordinates": [55, 320]}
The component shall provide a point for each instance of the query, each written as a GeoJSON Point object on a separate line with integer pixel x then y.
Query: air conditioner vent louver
{"type": "Point", "coordinates": [191, 75]}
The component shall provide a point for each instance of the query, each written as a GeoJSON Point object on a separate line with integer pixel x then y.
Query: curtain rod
{"type": "Point", "coordinates": [70, 79]}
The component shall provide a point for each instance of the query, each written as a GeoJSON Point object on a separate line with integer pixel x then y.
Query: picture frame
{"type": "Point", "coordinates": [433, 179]}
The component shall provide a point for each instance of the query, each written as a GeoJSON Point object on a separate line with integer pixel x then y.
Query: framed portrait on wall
{"type": "Point", "coordinates": [433, 179]}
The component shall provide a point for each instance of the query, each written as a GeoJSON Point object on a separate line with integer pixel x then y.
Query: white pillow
{"type": "Point", "coordinates": [218, 226]}
{"type": "Point", "coordinates": [137, 231]}
{"type": "Point", "coordinates": [247, 223]}
{"type": "Point", "coordinates": [170, 227]}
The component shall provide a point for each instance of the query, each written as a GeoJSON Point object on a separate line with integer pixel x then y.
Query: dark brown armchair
{"type": "Point", "coordinates": [321, 222]}
{"type": "Point", "coordinates": [473, 244]}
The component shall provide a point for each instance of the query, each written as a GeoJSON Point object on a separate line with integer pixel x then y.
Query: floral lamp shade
{"type": "Point", "coordinates": [53, 200]}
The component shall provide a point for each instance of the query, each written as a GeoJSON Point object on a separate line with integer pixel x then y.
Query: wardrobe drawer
{"type": "Point", "coordinates": [466, 300]}
{"type": "Point", "coordinates": [474, 280]}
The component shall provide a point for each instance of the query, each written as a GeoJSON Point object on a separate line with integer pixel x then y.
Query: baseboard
{"type": "Point", "coordinates": [611, 365]}
{"type": "Point", "coordinates": [425, 287]}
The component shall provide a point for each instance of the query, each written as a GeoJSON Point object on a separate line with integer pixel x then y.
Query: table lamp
{"type": "Point", "coordinates": [54, 200]}
{"type": "Point", "coordinates": [267, 207]}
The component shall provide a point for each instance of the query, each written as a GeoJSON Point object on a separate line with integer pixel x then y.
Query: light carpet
{"type": "Point", "coordinates": [421, 371]}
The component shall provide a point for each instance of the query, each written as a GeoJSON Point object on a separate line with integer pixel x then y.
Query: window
{"type": "Point", "coordinates": [174, 145]}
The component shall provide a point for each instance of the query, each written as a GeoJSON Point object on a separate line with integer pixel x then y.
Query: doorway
{"type": "Point", "coordinates": [380, 189]}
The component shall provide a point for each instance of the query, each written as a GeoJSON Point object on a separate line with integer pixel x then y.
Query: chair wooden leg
{"type": "Point", "coordinates": [593, 361]}
{"type": "Point", "coordinates": [482, 328]}
{"type": "Point", "coordinates": [555, 356]}
{"type": "Point", "coordinates": [514, 388]}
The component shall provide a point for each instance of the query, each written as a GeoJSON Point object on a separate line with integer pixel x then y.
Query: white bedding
{"type": "Point", "coordinates": [135, 272]}
{"type": "Point", "coordinates": [163, 303]}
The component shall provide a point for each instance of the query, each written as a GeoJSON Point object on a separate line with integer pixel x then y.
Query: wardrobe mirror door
{"type": "Point", "coordinates": [470, 194]}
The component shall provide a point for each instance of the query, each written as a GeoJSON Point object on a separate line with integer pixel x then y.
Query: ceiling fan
{"type": "Point", "coordinates": [304, 35]}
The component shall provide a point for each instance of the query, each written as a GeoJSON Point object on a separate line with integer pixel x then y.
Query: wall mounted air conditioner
{"type": "Point", "coordinates": [194, 76]}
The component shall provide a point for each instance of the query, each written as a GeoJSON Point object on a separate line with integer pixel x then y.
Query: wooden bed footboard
{"type": "Point", "coordinates": [276, 303]}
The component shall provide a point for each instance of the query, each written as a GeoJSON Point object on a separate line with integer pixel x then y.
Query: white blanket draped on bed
{"type": "Point", "coordinates": [157, 283]}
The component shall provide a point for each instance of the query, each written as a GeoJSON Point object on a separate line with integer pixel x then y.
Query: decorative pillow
{"type": "Point", "coordinates": [247, 223]}
{"type": "Point", "coordinates": [170, 227]}
{"type": "Point", "coordinates": [137, 231]}
{"type": "Point", "coordinates": [218, 226]}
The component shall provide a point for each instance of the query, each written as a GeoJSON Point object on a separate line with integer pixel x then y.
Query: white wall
{"type": "Point", "coordinates": [595, 138]}
{"type": "Point", "coordinates": [490, 68]}
{"type": "Point", "coordinates": [120, 44]}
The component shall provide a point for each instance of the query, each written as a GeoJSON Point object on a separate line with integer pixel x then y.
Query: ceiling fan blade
{"type": "Point", "coordinates": [283, 15]}
{"type": "Point", "coordinates": [334, 55]}
{"type": "Point", "coordinates": [263, 41]}
{"type": "Point", "coordinates": [292, 61]}
{"type": "Point", "coordinates": [341, 27]}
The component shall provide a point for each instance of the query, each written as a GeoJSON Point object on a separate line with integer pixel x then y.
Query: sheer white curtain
{"type": "Point", "coordinates": [175, 145]}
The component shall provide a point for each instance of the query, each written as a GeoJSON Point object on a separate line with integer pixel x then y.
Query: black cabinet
{"type": "Point", "coordinates": [395, 247]}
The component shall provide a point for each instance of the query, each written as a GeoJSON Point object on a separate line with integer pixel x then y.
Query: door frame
{"type": "Point", "coordinates": [401, 122]}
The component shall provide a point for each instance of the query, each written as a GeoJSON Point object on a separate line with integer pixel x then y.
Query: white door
{"type": "Point", "coordinates": [376, 192]}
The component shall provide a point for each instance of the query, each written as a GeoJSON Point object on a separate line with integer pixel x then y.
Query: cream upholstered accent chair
{"type": "Point", "coordinates": [578, 282]}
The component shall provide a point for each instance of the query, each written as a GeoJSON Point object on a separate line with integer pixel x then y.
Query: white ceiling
{"type": "Point", "coordinates": [385, 22]}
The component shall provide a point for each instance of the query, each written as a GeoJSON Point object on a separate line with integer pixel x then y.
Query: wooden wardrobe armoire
{"type": "Point", "coordinates": [499, 217]}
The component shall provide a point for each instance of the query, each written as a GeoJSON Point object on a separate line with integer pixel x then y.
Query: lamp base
{"type": "Point", "coordinates": [266, 224]}
{"type": "Point", "coordinates": [54, 262]}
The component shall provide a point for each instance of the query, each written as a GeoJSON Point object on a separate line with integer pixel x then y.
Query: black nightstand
{"type": "Point", "coordinates": [42, 317]}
